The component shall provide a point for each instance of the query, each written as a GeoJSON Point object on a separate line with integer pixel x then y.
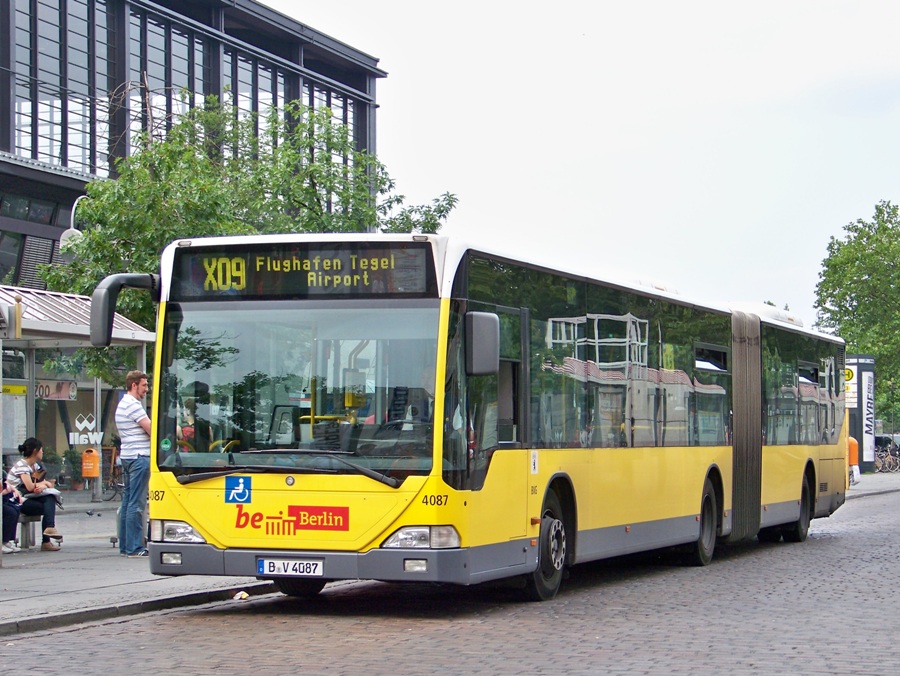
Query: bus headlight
{"type": "Point", "coordinates": [173, 531]}
{"type": "Point", "coordinates": [424, 537]}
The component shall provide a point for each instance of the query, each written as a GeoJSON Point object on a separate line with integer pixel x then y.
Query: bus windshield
{"type": "Point", "coordinates": [342, 387]}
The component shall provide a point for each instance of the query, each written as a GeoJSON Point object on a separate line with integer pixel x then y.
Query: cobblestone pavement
{"type": "Point", "coordinates": [826, 606]}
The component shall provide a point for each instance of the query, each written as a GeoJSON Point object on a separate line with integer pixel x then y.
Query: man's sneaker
{"type": "Point", "coordinates": [141, 553]}
{"type": "Point", "coordinates": [49, 546]}
{"type": "Point", "coordinates": [11, 546]}
{"type": "Point", "coordinates": [53, 533]}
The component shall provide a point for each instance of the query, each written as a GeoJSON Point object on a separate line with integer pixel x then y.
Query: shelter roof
{"type": "Point", "coordinates": [54, 319]}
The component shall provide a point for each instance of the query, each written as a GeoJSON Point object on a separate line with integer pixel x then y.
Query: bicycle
{"type": "Point", "coordinates": [114, 485]}
{"type": "Point", "coordinates": [886, 460]}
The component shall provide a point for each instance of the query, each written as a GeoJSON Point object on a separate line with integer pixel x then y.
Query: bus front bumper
{"type": "Point", "coordinates": [457, 566]}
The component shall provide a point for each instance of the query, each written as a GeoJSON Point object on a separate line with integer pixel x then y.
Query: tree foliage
{"type": "Point", "coordinates": [857, 292]}
{"type": "Point", "coordinates": [216, 173]}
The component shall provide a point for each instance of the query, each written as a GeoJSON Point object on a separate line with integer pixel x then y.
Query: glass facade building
{"type": "Point", "coordinates": [79, 79]}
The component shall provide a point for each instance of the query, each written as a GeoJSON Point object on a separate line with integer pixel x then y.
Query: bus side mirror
{"type": "Point", "coordinates": [482, 343]}
{"type": "Point", "coordinates": [103, 302]}
{"type": "Point", "coordinates": [103, 308]}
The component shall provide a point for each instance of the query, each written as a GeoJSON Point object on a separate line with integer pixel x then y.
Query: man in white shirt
{"type": "Point", "coordinates": [134, 432]}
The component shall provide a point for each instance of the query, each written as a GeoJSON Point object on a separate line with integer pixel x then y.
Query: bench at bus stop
{"type": "Point", "coordinates": [27, 536]}
{"type": "Point", "coordinates": [26, 529]}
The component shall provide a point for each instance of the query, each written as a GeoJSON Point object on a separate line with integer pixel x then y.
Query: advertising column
{"type": "Point", "coordinates": [861, 405]}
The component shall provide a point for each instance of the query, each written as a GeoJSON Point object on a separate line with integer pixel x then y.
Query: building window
{"type": "Point", "coordinates": [66, 85]}
{"type": "Point", "coordinates": [25, 209]}
{"type": "Point", "coordinates": [10, 246]}
{"type": "Point", "coordinates": [61, 77]}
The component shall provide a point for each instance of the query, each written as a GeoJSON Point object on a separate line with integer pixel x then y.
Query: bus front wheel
{"type": "Point", "coordinates": [300, 588]}
{"type": "Point", "coordinates": [543, 583]}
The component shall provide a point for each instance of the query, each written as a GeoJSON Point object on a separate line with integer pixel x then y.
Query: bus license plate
{"type": "Point", "coordinates": [290, 567]}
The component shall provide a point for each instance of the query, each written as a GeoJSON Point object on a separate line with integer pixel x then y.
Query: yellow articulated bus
{"type": "Point", "coordinates": [411, 408]}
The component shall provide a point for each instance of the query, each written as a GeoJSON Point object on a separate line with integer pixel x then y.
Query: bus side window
{"type": "Point", "coordinates": [483, 417]}
{"type": "Point", "coordinates": [507, 404]}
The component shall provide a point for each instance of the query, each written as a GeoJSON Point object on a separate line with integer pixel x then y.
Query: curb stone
{"type": "Point", "coordinates": [55, 621]}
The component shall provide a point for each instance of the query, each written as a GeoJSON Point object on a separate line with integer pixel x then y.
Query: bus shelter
{"type": "Point", "coordinates": [45, 392]}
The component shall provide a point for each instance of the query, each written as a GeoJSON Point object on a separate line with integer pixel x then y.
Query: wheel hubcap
{"type": "Point", "coordinates": [556, 547]}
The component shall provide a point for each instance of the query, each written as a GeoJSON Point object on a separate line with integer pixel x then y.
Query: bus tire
{"type": "Point", "coordinates": [543, 583]}
{"type": "Point", "coordinates": [299, 587]}
{"type": "Point", "coordinates": [797, 531]}
{"type": "Point", "coordinates": [702, 550]}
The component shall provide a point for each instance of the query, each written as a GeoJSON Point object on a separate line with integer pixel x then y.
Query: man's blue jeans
{"type": "Point", "coordinates": [134, 502]}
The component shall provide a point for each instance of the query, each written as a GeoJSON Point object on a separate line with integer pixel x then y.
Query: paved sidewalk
{"type": "Point", "coordinates": [87, 580]}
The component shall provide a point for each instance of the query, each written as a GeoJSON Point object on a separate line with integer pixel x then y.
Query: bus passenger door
{"type": "Point", "coordinates": [485, 423]}
{"type": "Point", "coordinates": [497, 467]}
{"type": "Point", "coordinates": [511, 412]}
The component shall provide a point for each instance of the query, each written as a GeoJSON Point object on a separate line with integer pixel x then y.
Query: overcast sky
{"type": "Point", "coordinates": [712, 146]}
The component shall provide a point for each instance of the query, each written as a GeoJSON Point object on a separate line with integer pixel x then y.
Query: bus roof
{"type": "Point", "coordinates": [450, 250]}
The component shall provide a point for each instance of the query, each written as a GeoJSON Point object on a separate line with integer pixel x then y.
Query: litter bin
{"type": "Point", "coordinates": [90, 464]}
{"type": "Point", "coordinates": [853, 459]}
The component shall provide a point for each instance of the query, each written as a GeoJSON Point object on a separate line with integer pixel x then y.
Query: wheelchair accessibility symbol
{"type": "Point", "coordinates": [237, 489]}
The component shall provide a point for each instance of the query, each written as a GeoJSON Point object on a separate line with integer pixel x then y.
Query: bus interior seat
{"type": "Point", "coordinates": [419, 405]}
{"type": "Point", "coordinates": [397, 407]}
{"type": "Point", "coordinates": [284, 422]}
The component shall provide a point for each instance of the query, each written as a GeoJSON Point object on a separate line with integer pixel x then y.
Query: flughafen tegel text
{"type": "Point", "coordinates": [351, 270]}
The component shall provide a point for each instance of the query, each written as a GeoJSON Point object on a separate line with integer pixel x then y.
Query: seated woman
{"type": "Point", "coordinates": [11, 502]}
{"type": "Point", "coordinates": [38, 493]}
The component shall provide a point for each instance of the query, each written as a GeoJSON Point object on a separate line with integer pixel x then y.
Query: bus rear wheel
{"type": "Point", "coordinates": [299, 588]}
{"type": "Point", "coordinates": [797, 531]}
{"type": "Point", "coordinates": [702, 550]}
{"type": "Point", "coordinates": [543, 583]}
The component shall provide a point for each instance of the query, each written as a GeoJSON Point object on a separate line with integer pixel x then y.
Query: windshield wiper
{"type": "Point", "coordinates": [393, 482]}
{"type": "Point", "coordinates": [250, 469]}
{"type": "Point", "coordinates": [203, 476]}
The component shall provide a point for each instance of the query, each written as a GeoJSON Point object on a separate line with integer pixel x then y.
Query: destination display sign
{"type": "Point", "coordinates": [304, 270]}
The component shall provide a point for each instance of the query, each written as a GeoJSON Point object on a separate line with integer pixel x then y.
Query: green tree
{"type": "Point", "coordinates": [217, 173]}
{"type": "Point", "coordinates": [857, 297]}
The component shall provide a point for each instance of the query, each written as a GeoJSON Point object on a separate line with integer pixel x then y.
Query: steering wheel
{"type": "Point", "coordinates": [224, 443]}
{"type": "Point", "coordinates": [185, 445]}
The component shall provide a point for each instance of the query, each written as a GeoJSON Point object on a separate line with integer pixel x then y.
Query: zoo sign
{"type": "Point", "coordinates": [56, 389]}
